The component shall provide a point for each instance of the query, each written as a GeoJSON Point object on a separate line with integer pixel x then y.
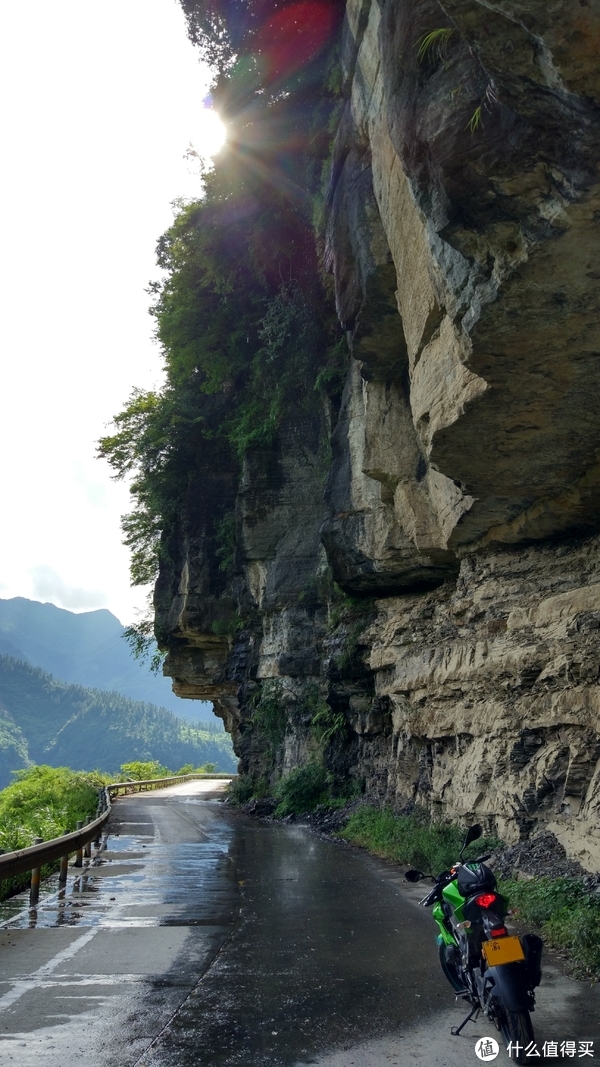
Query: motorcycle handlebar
{"type": "Point", "coordinates": [431, 897]}
{"type": "Point", "coordinates": [440, 880]}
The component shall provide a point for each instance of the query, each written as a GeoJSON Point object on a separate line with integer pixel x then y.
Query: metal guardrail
{"type": "Point", "coordinates": [155, 783]}
{"type": "Point", "coordinates": [79, 841]}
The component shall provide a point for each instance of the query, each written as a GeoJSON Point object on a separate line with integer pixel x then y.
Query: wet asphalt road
{"type": "Point", "coordinates": [204, 938]}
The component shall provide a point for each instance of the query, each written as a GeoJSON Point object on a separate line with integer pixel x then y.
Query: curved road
{"type": "Point", "coordinates": [199, 937]}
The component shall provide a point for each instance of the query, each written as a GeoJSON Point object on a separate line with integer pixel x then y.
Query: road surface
{"type": "Point", "coordinates": [203, 938]}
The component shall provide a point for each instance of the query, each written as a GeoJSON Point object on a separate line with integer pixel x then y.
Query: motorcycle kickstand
{"type": "Point", "coordinates": [455, 1030]}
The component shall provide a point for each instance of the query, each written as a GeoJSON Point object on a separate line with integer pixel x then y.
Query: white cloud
{"type": "Point", "coordinates": [49, 586]}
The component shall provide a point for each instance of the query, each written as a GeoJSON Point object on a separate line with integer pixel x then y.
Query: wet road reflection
{"type": "Point", "coordinates": [203, 938]}
{"type": "Point", "coordinates": [123, 946]}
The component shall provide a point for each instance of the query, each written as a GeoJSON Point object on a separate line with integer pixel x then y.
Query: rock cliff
{"type": "Point", "coordinates": [418, 568]}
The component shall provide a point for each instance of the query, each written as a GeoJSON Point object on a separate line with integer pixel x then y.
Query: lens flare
{"type": "Point", "coordinates": [211, 135]}
{"type": "Point", "coordinates": [294, 36]}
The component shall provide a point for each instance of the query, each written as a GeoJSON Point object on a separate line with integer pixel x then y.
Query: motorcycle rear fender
{"type": "Point", "coordinates": [510, 985]}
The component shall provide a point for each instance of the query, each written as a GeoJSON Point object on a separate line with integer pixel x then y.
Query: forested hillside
{"type": "Point", "coordinates": [43, 720]}
{"type": "Point", "coordinates": [86, 648]}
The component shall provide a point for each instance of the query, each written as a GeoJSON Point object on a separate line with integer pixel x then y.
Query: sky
{"type": "Point", "coordinates": [100, 104]}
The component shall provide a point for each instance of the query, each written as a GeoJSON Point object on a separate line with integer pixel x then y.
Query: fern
{"type": "Point", "coordinates": [489, 99]}
{"type": "Point", "coordinates": [475, 121]}
{"type": "Point", "coordinates": [433, 44]}
{"type": "Point", "coordinates": [326, 723]}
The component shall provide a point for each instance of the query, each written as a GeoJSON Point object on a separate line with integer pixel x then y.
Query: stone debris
{"type": "Point", "coordinates": [541, 857]}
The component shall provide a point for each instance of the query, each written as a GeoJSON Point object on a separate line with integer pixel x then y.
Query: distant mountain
{"type": "Point", "coordinates": [88, 649]}
{"type": "Point", "coordinates": [46, 721]}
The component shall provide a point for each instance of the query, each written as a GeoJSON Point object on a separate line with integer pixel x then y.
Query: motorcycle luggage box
{"type": "Point", "coordinates": [532, 947]}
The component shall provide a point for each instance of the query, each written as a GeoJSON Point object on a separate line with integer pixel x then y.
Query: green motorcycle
{"type": "Point", "coordinates": [496, 973]}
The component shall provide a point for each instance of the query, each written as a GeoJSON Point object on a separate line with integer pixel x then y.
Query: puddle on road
{"type": "Point", "coordinates": [98, 969]}
{"type": "Point", "coordinates": [132, 880]}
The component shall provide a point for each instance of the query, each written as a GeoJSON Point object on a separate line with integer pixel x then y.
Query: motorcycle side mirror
{"type": "Point", "coordinates": [413, 876]}
{"type": "Point", "coordinates": [472, 834]}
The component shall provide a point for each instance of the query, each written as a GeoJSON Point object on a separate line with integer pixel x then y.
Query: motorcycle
{"type": "Point", "coordinates": [495, 972]}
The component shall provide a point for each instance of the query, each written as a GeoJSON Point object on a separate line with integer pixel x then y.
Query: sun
{"type": "Point", "coordinates": [211, 135]}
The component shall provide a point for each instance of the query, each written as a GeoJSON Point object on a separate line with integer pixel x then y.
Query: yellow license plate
{"type": "Point", "coordinates": [502, 950]}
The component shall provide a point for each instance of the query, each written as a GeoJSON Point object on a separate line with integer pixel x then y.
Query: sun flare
{"type": "Point", "coordinates": [211, 135]}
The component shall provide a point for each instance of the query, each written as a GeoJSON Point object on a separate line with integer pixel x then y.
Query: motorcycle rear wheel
{"type": "Point", "coordinates": [516, 1029]}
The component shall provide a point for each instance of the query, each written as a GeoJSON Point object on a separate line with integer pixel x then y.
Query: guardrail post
{"type": "Point", "coordinates": [79, 853]}
{"type": "Point", "coordinates": [64, 869]}
{"type": "Point", "coordinates": [88, 848]}
{"type": "Point", "coordinates": [34, 885]}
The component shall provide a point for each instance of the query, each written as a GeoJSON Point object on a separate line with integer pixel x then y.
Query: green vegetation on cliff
{"type": "Point", "coordinates": [244, 316]}
{"type": "Point", "coordinates": [43, 720]}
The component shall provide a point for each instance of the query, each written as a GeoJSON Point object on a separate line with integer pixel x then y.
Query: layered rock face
{"type": "Point", "coordinates": [466, 269]}
{"type": "Point", "coordinates": [456, 491]}
{"type": "Point", "coordinates": [492, 689]}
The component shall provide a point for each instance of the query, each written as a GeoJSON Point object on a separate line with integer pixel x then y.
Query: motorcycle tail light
{"type": "Point", "coordinates": [485, 900]}
{"type": "Point", "coordinates": [499, 931]}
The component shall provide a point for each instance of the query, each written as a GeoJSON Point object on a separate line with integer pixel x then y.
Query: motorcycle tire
{"type": "Point", "coordinates": [451, 972]}
{"type": "Point", "coordinates": [516, 1029]}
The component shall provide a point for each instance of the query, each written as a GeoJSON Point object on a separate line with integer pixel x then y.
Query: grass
{"type": "Point", "coordinates": [475, 121]}
{"type": "Point", "coordinates": [327, 723]}
{"type": "Point", "coordinates": [44, 802]}
{"type": "Point", "coordinates": [301, 790]}
{"type": "Point", "coordinates": [410, 839]}
{"type": "Point", "coordinates": [566, 915]}
{"type": "Point", "coordinates": [296, 793]}
{"type": "Point", "coordinates": [270, 714]}
{"type": "Point", "coordinates": [240, 790]}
